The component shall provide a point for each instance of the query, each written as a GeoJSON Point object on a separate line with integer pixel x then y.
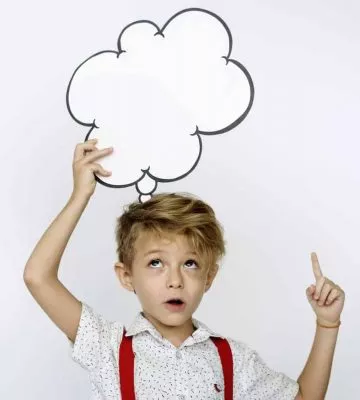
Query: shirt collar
{"type": "Point", "coordinates": [142, 324]}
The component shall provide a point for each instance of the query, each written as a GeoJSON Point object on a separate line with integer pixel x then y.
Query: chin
{"type": "Point", "coordinates": [171, 319]}
{"type": "Point", "coordinates": [176, 318]}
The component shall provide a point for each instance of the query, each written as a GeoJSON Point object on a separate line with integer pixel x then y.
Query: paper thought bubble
{"type": "Point", "coordinates": [156, 96]}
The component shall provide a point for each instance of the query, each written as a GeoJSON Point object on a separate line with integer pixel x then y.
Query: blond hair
{"type": "Point", "coordinates": [182, 214]}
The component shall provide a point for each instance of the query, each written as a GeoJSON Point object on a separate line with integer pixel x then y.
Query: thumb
{"type": "Point", "coordinates": [309, 293]}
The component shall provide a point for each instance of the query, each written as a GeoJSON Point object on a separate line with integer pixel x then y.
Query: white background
{"type": "Point", "coordinates": [283, 183]}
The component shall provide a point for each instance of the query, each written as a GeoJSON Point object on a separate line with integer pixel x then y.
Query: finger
{"type": "Point", "coordinates": [319, 285]}
{"type": "Point", "coordinates": [81, 147]}
{"type": "Point", "coordinates": [95, 167]}
{"type": "Point", "coordinates": [324, 293]}
{"type": "Point", "coordinates": [316, 266]}
{"type": "Point", "coordinates": [334, 293]}
{"type": "Point", "coordinates": [94, 155]}
{"type": "Point", "coordinates": [310, 291]}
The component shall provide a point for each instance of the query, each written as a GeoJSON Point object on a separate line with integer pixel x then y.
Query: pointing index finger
{"type": "Point", "coordinates": [316, 266]}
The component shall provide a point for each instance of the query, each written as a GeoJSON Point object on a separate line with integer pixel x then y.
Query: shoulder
{"type": "Point", "coordinates": [92, 322]}
{"type": "Point", "coordinates": [96, 336]}
{"type": "Point", "coordinates": [241, 351]}
{"type": "Point", "coordinates": [245, 356]}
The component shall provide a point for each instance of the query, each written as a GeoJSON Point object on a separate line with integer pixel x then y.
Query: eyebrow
{"type": "Point", "coordinates": [161, 251]}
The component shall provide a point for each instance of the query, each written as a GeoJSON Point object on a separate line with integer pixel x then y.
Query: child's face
{"type": "Point", "coordinates": [165, 268]}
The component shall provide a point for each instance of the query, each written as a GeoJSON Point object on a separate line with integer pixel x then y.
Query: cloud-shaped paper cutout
{"type": "Point", "coordinates": [154, 97]}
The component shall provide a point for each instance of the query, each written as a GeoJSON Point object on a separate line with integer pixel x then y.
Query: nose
{"type": "Point", "coordinates": [174, 278]}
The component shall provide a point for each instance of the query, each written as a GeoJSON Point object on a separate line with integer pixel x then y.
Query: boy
{"type": "Point", "coordinates": [168, 251]}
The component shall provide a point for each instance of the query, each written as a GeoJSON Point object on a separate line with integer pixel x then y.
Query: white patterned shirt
{"type": "Point", "coordinates": [163, 371]}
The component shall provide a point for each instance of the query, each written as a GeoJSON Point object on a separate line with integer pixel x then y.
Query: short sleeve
{"type": "Point", "coordinates": [265, 383]}
{"type": "Point", "coordinates": [254, 380]}
{"type": "Point", "coordinates": [93, 339]}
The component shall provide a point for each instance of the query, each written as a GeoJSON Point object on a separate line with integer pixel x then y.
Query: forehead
{"type": "Point", "coordinates": [147, 241]}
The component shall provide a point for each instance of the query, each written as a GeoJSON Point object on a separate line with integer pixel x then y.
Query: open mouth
{"type": "Point", "coordinates": [175, 305]}
{"type": "Point", "coordinates": [175, 301]}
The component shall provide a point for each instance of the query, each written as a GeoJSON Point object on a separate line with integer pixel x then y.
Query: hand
{"type": "Point", "coordinates": [84, 167]}
{"type": "Point", "coordinates": [325, 297]}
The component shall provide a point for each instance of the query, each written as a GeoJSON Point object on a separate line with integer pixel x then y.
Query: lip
{"type": "Point", "coordinates": [175, 307]}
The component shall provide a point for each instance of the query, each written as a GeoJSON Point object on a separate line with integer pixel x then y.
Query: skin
{"type": "Point", "coordinates": [162, 268]}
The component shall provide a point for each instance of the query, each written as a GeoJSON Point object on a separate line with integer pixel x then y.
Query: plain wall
{"type": "Point", "coordinates": [283, 183]}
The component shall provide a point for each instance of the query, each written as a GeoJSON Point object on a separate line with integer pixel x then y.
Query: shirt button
{"type": "Point", "coordinates": [181, 397]}
{"type": "Point", "coordinates": [178, 355]}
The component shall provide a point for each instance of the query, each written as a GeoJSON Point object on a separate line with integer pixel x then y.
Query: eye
{"type": "Point", "coordinates": [193, 262]}
{"type": "Point", "coordinates": [154, 263]}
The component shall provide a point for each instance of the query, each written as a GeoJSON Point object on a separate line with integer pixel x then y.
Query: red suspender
{"type": "Point", "coordinates": [127, 371]}
{"type": "Point", "coordinates": [126, 368]}
{"type": "Point", "coordinates": [227, 365]}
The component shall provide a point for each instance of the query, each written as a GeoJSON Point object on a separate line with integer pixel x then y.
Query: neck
{"type": "Point", "coordinates": [174, 334]}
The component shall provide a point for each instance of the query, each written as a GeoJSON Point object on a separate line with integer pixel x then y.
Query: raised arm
{"type": "Point", "coordinates": [41, 270]}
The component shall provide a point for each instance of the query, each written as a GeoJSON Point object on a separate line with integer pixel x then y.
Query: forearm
{"type": "Point", "coordinates": [45, 258]}
{"type": "Point", "coordinates": [314, 379]}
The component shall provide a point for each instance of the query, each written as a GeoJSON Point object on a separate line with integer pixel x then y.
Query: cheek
{"type": "Point", "coordinates": [196, 285]}
{"type": "Point", "coordinates": [148, 286]}
{"type": "Point", "coordinates": [201, 277]}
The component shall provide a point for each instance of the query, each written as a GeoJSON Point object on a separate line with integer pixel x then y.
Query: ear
{"type": "Point", "coordinates": [123, 272]}
{"type": "Point", "coordinates": [213, 270]}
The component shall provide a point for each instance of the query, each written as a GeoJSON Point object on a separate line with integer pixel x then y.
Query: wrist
{"type": "Point", "coordinates": [80, 197]}
{"type": "Point", "coordinates": [327, 324]}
